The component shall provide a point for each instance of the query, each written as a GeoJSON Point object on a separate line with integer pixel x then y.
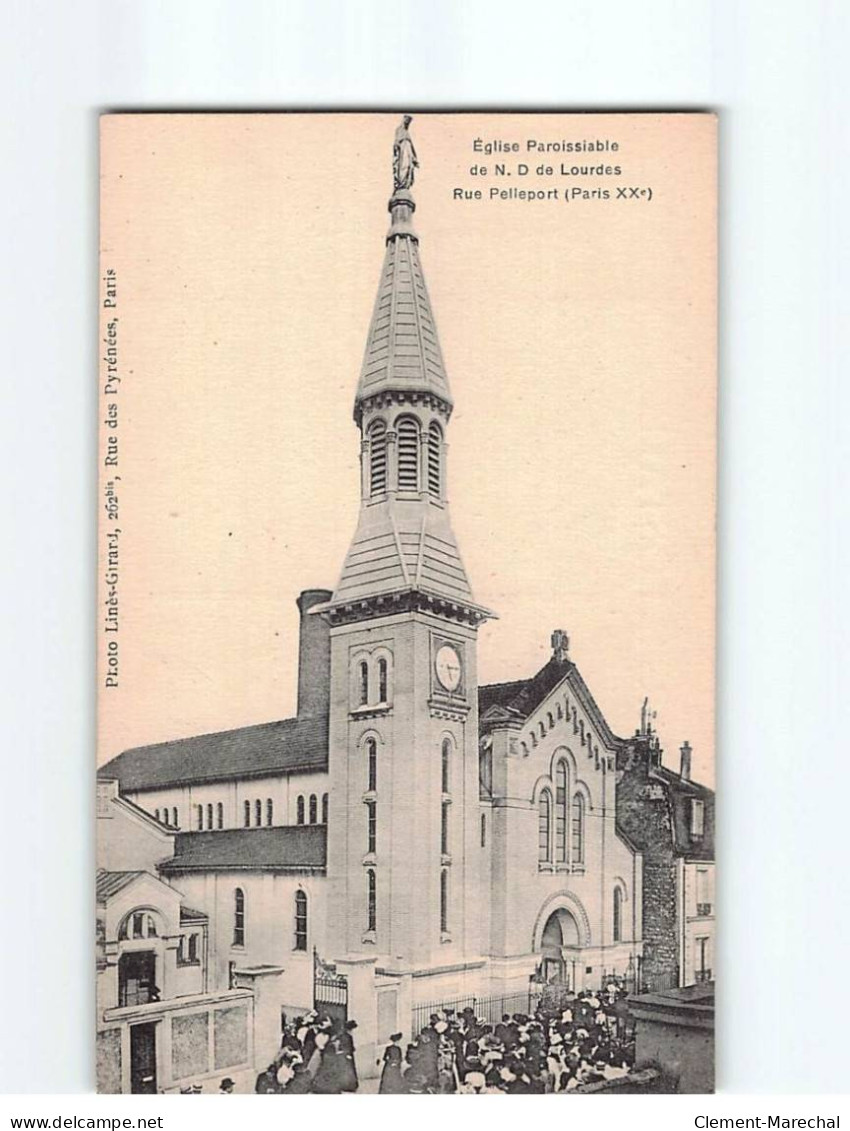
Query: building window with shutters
{"type": "Point", "coordinates": [300, 920]}
{"type": "Point", "coordinates": [697, 818]}
{"type": "Point", "coordinates": [377, 437]}
{"type": "Point", "coordinates": [578, 829]}
{"type": "Point", "coordinates": [435, 460]}
{"type": "Point", "coordinates": [371, 827]}
{"type": "Point", "coordinates": [371, 900]}
{"type": "Point", "coordinates": [617, 933]}
{"type": "Point", "coordinates": [561, 812]}
{"type": "Point", "coordinates": [371, 765]}
{"type": "Point", "coordinates": [299, 809]}
{"type": "Point", "coordinates": [363, 684]}
{"type": "Point", "coordinates": [446, 766]}
{"type": "Point", "coordinates": [239, 917]}
{"type": "Point", "coordinates": [544, 827]}
{"type": "Point", "coordinates": [407, 447]}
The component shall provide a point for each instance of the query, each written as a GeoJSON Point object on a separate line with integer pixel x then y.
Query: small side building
{"type": "Point", "coordinates": [670, 819]}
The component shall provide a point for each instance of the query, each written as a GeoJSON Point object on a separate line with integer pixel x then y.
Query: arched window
{"type": "Point", "coordinates": [314, 809]}
{"type": "Point", "coordinates": [299, 810]}
{"type": "Point", "coordinates": [544, 826]}
{"type": "Point", "coordinates": [258, 812]}
{"type": "Point", "coordinates": [435, 459]}
{"type": "Point", "coordinates": [247, 814]}
{"type": "Point", "coordinates": [156, 815]}
{"type": "Point", "coordinates": [561, 812]}
{"type": "Point", "coordinates": [371, 826]}
{"type": "Point", "coordinates": [371, 900]}
{"type": "Point", "coordinates": [578, 829]}
{"type": "Point", "coordinates": [220, 815]}
{"type": "Point", "coordinates": [446, 766]}
{"type": "Point", "coordinates": [483, 830]}
{"type": "Point", "coordinates": [444, 900]}
{"type": "Point", "coordinates": [239, 917]}
{"type": "Point", "coordinates": [209, 816]}
{"type": "Point", "coordinates": [383, 688]}
{"type": "Point", "coordinates": [377, 436]}
{"type": "Point", "coordinates": [618, 915]}
{"type": "Point", "coordinates": [324, 808]}
{"type": "Point", "coordinates": [174, 820]}
{"type": "Point", "coordinates": [300, 920]}
{"type": "Point", "coordinates": [199, 816]}
{"type": "Point", "coordinates": [444, 828]}
{"type": "Point", "coordinates": [138, 925]}
{"type": "Point", "coordinates": [408, 454]}
{"type": "Point", "coordinates": [371, 764]}
{"type": "Point", "coordinates": [269, 811]}
{"type": "Point", "coordinates": [363, 683]}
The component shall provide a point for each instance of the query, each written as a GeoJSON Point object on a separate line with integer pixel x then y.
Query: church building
{"type": "Point", "coordinates": [409, 838]}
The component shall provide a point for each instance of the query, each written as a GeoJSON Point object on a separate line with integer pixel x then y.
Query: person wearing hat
{"type": "Point", "coordinates": [226, 1087]}
{"type": "Point", "coordinates": [346, 1067]}
{"type": "Point", "coordinates": [392, 1083]}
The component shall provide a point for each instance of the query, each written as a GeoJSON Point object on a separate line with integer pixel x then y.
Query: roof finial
{"type": "Point", "coordinates": [405, 160]}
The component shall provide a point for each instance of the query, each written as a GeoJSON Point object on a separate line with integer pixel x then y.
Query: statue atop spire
{"type": "Point", "coordinates": [405, 160]}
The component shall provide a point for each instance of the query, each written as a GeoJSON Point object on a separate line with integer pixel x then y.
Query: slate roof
{"type": "Point", "coordinates": [110, 883]}
{"type": "Point", "coordinates": [523, 696]}
{"type": "Point", "coordinates": [191, 915]}
{"type": "Point", "coordinates": [680, 792]}
{"type": "Point", "coordinates": [408, 547]}
{"type": "Point", "coordinates": [282, 848]}
{"type": "Point", "coordinates": [288, 746]}
{"type": "Point", "coordinates": [402, 349]}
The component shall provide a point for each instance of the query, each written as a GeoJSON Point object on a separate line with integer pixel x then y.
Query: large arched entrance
{"type": "Point", "coordinates": [560, 946]}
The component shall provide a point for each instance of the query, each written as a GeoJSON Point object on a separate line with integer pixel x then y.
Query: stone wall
{"type": "Point", "coordinates": [644, 815]}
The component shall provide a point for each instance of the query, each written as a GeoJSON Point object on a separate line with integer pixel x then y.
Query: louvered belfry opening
{"type": "Point", "coordinates": [435, 456]}
{"type": "Point", "coordinates": [408, 454]}
{"type": "Point", "coordinates": [377, 458]}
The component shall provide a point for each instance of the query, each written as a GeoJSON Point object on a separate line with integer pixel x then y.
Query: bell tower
{"type": "Point", "coordinates": [403, 837]}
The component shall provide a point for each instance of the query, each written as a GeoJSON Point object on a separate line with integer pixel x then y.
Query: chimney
{"type": "Point", "coordinates": [685, 770]}
{"type": "Point", "coordinates": [314, 655]}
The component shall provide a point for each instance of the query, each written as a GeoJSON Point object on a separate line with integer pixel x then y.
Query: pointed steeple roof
{"type": "Point", "coordinates": [402, 350]}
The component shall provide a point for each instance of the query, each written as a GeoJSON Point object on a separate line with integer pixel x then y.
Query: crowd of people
{"type": "Point", "coordinates": [578, 1040]}
{"type": "Point", "coordinates": [558, 1048]}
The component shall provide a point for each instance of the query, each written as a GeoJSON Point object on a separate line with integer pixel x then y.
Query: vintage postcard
{"type": "Point", "coordinates": [406, 603]}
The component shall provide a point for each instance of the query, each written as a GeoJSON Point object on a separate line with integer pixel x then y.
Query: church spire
{"type": "Point", "coordinates": [402, 353]}
{"type": "Point", "coordinates": [404, 552]}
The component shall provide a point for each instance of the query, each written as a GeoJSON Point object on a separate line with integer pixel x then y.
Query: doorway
{"type": "Point", "coordinates": [143, 1059]}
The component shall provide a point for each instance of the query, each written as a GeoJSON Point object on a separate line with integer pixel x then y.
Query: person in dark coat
{"type": "Point", "coordinates": [345, 1064]}
{"type": "Point", "coordinates": [266, 1084]}
{"type": "Point", "coordinates": [391, 1079]}
{"type": "Point", "coordinates": [301, 1082]}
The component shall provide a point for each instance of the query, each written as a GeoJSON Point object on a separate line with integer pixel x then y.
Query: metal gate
{"type": "Point", "coordinates": [330, 990]}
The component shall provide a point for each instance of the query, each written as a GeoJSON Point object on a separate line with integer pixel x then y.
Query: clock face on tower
{"type": "Point", "coordinates": [448, 667]}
